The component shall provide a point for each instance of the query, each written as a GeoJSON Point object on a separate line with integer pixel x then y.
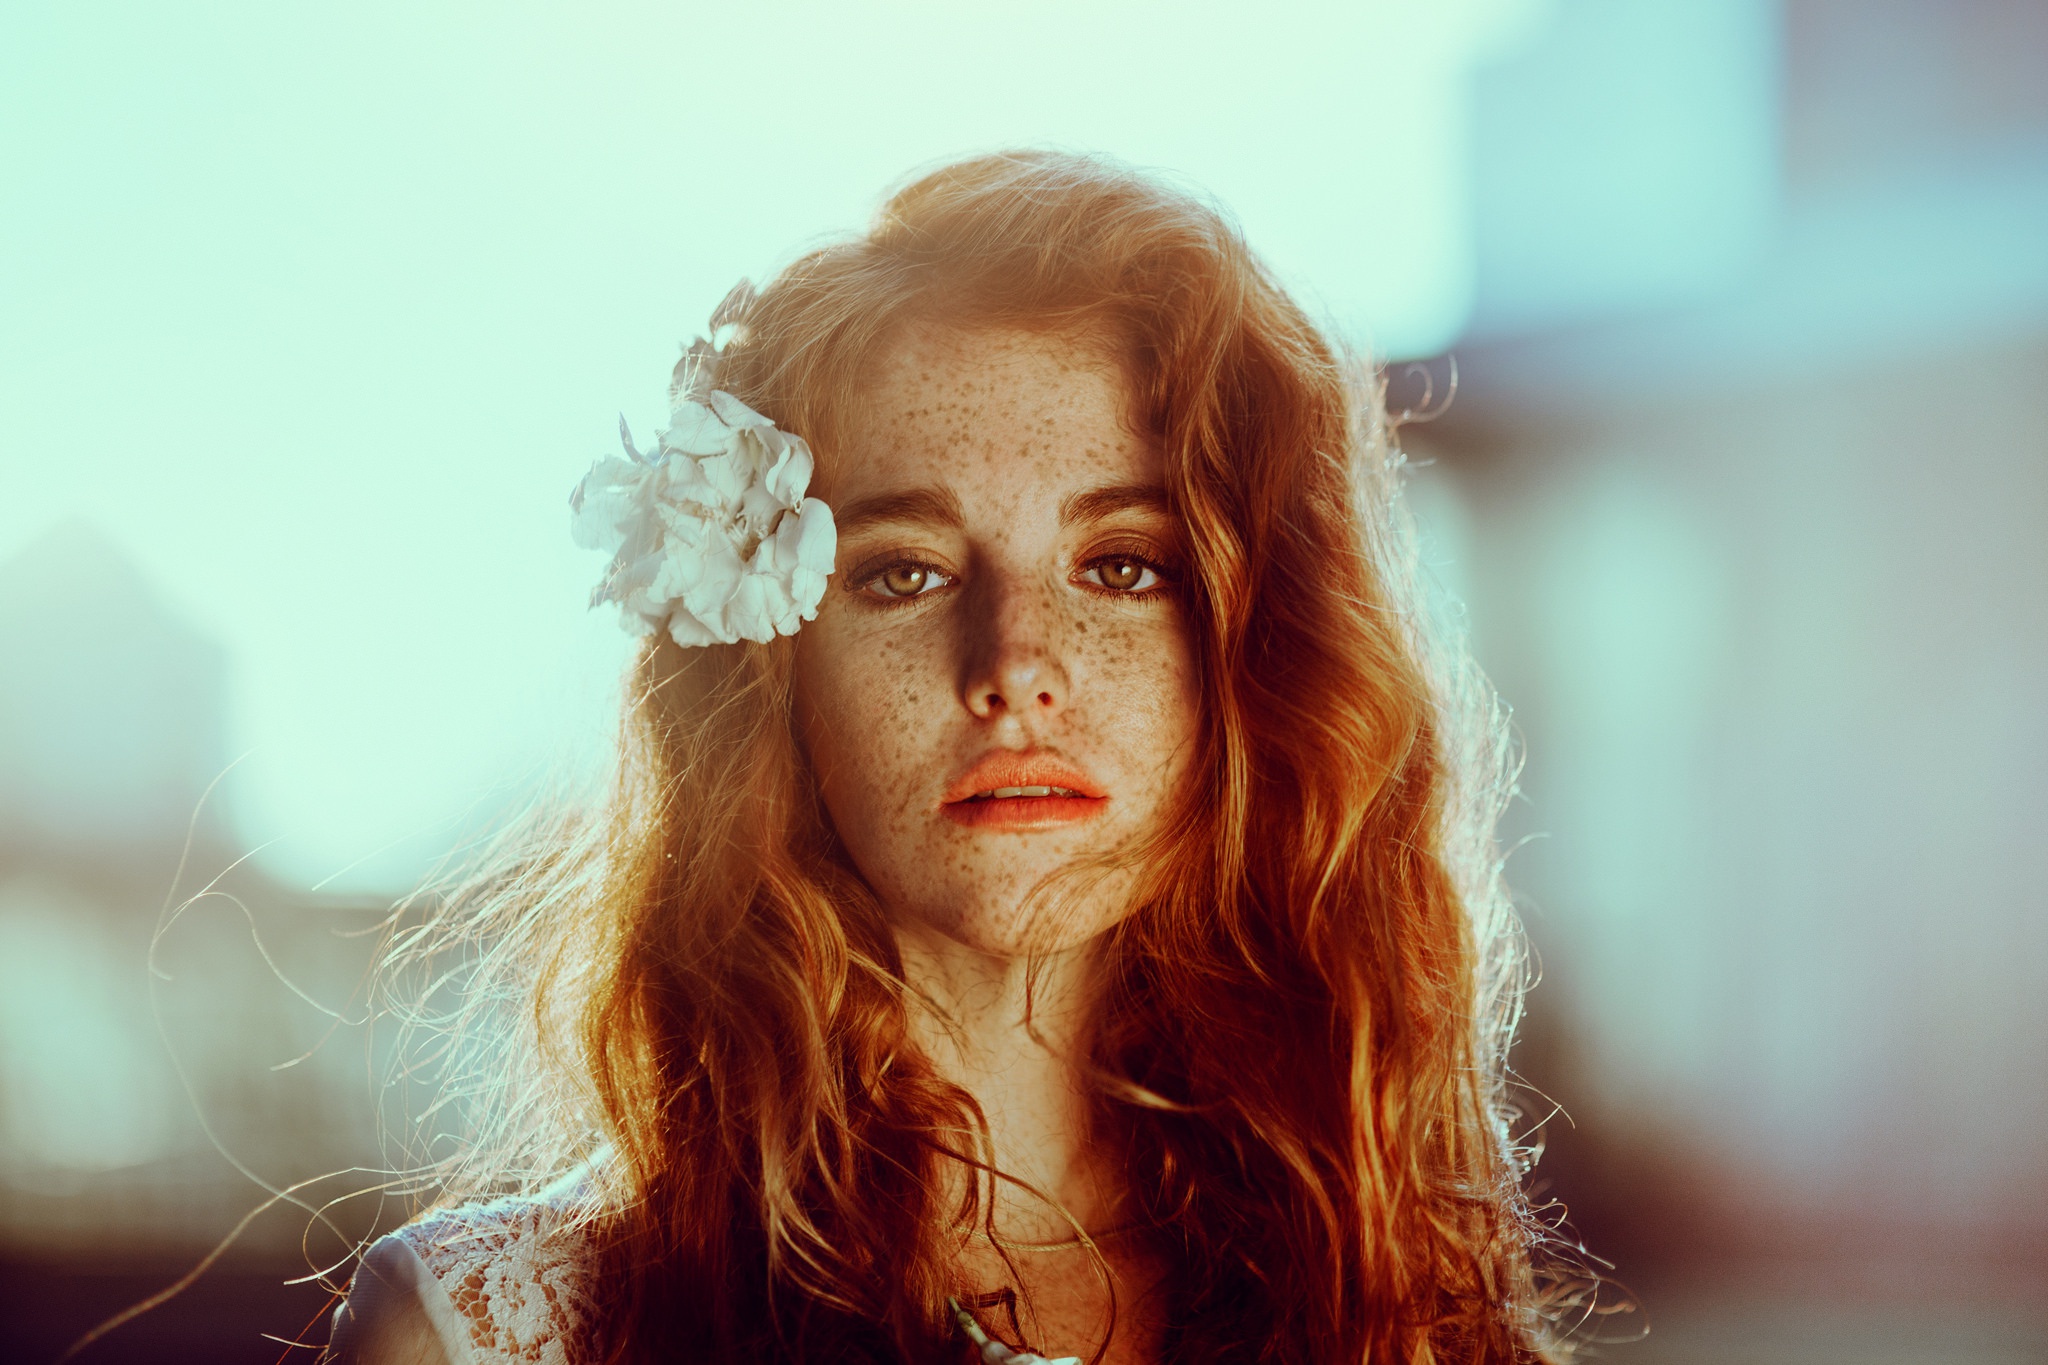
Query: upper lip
{"type": "Point", "coordinates": [1005, 769]}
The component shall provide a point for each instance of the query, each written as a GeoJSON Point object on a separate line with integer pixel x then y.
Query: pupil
{"type": "Point", "coordinates": [904, 582]}
{"type": "Point", "coordinates": [1121, 573]}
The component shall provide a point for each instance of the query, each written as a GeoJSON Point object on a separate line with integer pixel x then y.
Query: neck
{"type": "Point", "coordinates": [1006, 1034]}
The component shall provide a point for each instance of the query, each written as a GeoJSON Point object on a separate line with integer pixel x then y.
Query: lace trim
{"type": "Point", "coordinates": [516, 1271]}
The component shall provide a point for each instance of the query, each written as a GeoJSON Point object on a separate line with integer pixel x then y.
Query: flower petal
{"type": "Point", "coordinates": [710, 579]}
{"type": "Point", "coordinates": [626, 440]}
{"type": "Point", "coordinates": [751, 613]}
{"type": "Point", "coordinates": [687, 631]}
{"type": "Point", "coordinates": [736, 414]}
{"type": "Point", "coordinates": [817, 536]}
{"type": "Point", "coordinates": [694, 429]}
{"type": "Point", "coordinates": [711, 534]}
{"type": "Point", "coordinates": [790, 473]}
{"type": "Point", "coordinates": [696, 373]}
{"type": "Point", "coordinates": [606, 503]}
{"type": "Point", "coordinates": [805, 544]}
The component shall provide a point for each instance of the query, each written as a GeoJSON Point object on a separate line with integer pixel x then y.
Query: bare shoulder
{"type": "Point", "coordinates": [499, 1281]}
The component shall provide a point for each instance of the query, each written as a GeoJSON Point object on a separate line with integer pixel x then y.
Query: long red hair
{"type": "Point", "coordinates": [1300, 1053]}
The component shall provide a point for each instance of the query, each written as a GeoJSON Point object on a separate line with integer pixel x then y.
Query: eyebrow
{"type": "Point", "coordinates": [931, 506]}
{"type": "Point", "coordinates": [941, 506]}
{"type": "Point", "coordinates": [1097, 503]}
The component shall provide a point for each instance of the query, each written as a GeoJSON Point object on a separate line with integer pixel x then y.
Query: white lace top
{"type": "Point", "coordinates": [498, 1283]}
{"type": "Point", "coordinates": [484, 1284]}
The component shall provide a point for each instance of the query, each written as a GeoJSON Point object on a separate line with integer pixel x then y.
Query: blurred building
{"type": "Point", "coordinates": [1751, 514]}
{"type": "Point", "coordinates": [143, 1112]}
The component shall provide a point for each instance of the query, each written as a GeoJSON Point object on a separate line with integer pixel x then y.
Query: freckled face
{"type": "Point", "coordinates": [1000, 682]}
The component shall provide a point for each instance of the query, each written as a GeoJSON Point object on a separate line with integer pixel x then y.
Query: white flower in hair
{"type": "Point", "coordinates": [710, 533]}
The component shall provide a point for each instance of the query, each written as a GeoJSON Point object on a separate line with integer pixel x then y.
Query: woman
{"type": "Point", "coordinates": [1082, 913]}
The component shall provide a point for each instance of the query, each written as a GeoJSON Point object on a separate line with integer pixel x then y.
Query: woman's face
{"type": "Point", "coordinates": [1000, 682]}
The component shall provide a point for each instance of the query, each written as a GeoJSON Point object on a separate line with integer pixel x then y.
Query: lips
{"type": "Point", "coordinates": [1022, 791]}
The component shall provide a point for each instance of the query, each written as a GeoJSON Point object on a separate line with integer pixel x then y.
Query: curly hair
{"type": "Point", "coordinates": [1299, 1057]}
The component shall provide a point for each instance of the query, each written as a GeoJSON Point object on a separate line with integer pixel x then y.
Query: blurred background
{"type": "Point", "coordinates": [310, 316]}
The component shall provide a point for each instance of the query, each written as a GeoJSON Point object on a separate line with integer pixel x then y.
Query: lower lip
{"type": "Point", "coordinates": [1025, 812]}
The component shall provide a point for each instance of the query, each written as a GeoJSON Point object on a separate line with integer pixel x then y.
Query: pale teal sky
{"type": "Point", "coordinates": [320, 310]}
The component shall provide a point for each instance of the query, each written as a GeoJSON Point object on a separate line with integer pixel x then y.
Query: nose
{"type": "Point", "coordinates": [1015, 667]}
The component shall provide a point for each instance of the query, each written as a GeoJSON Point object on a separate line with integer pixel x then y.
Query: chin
{"type": "Point", "coordinates": [1016, 929]}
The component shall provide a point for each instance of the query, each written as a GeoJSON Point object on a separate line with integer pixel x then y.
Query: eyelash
{"type": "Point", "coordinates": [1162, 574]}
{"type": "Point", "coordinates": [870, 575]}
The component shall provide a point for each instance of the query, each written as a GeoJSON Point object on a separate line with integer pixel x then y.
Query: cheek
{"type": "Point", "coordinates": [1143, 693]}
{"type": "Point", "coordinates": [866, 708]}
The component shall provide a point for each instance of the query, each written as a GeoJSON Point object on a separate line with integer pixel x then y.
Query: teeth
{"type": "Point", "coordinates": [1005, 793]}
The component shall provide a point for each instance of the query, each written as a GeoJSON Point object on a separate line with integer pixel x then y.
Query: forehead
{"type": "Point", "coordinates": [995, 415]}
